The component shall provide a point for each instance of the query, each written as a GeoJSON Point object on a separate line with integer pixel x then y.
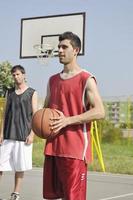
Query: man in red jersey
{"type": "Point", "coordinates": [74, 93]}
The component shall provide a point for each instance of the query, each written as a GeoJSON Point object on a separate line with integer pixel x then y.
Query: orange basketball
{"type": "Point", "coordinates": [41, 122]}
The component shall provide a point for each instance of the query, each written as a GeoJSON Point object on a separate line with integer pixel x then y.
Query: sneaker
{"type": "Point", "coordinates": [14, 196]}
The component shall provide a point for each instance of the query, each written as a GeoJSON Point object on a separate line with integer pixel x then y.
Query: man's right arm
{"type": "Point", "coordinates": [1, 132]}
{"type": "Point", "coordinates": [2, 122]}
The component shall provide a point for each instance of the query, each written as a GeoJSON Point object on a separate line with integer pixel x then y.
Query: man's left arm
{"type": "Point", "coordinates": [30, 138]}
{"type": "Point", "coordinates": [93, 98]}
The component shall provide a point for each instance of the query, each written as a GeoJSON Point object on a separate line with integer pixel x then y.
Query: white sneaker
{"type": "Point", "coordinates": [14, 196]}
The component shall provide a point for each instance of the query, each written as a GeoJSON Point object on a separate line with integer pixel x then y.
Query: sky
{"type": "Point", "coordinates": [108, 41]}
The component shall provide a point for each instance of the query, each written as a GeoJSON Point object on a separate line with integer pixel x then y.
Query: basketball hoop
{"type": "Point", "coordinates": [44, 52]}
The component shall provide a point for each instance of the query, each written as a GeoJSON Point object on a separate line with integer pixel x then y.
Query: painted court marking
{"type": "Point", "coordinates": [115, 178]}
{"type": "Point", "coordinates": [117, 197]}
{"type": "Point", "coordinates": [105, 174]}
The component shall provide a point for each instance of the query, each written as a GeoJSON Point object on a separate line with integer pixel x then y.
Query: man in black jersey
{"type": "Point", "coordinates": [16, 136]}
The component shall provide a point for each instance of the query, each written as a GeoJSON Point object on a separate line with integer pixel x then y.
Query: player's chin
{"type": "Point", "coordinates": [61, 60]}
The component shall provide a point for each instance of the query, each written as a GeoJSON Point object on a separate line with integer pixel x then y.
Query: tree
{"type": "Point", "coordinates": [6, 80]}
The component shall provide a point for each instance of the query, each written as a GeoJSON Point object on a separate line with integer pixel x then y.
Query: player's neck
{"type": "Point", "coordinates": [71, 69]}
{"type": "Point", "coordinates": [21, 87]}
{"type": "Point", "coordinates": [70, 72]}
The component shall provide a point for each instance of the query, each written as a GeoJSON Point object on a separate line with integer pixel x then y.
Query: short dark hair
{"type": "Point", "coordinates": [74, 39]}
{"type": "Point", "coordinates": [18, 67]}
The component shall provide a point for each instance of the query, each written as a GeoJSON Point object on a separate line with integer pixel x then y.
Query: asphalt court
{"type": "Point", "coordinates": [100, 186]}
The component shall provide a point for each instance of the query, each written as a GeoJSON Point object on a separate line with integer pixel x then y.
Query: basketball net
{"type": "Point", "coordinates": [44, 52]}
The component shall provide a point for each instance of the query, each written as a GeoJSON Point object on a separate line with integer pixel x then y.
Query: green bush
{"type": "Point", "coordinates": [108, 132]}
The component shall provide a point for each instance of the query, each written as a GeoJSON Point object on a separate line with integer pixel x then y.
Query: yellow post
{"type": "Point", "coordinates": [95, 140]}
{"type": "Point", "coordinates": [92, 142]}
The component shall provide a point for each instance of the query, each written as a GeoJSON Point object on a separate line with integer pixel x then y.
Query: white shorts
{"type": "Point", "coordinates": [15, 156]}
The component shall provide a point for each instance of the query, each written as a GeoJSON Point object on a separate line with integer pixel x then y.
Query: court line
{"type": "Point", "coordinates": [98, 174]}
{"type": "Point", "coordinates": [110, 175]}
{"type": "Point", "coordinates": [117, 197]}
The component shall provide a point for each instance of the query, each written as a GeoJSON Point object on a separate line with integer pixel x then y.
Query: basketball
{"type": "Point", "coordinates": [41, 123]}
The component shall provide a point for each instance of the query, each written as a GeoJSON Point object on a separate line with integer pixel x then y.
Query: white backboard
{"type": "Point", "coordinates": [46, 29]}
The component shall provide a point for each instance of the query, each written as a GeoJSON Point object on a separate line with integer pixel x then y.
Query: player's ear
{"type": "Point", "coordinates": [76, 51]}
{"type": "Point", "coordinates": [24, 76]}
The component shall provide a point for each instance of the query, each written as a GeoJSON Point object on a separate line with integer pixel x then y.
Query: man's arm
{"type": "Point", "coordinates": [95, 112]}
{"type": "Point", "coordinates": [46, 102]}
{"type": "Point", "coordinates": [1, 131]}
{"type": "Point", "coordinates": [30, 138]}
{"type": "Point", "coordinates": [2, 120]}
{"type": "Point", "coordinates": [34, 102]}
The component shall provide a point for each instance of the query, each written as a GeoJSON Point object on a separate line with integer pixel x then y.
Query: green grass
{"type": "Point", "coordinates": [118, 158]}
{"type": "Point", "coordinates": [38, 156]}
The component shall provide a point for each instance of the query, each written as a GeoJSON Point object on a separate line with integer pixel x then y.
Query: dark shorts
{"type": "Point", "coordinates": [64, 178]}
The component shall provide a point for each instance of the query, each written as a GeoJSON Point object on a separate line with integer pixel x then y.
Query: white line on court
{"type": "Point", "coordinates": [98, 174]}
{"type": "Point", "coordinates": [104, 174]}
{"type": "Point", "coordinates": [117, 197]}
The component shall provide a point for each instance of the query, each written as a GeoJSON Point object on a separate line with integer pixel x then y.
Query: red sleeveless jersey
{"type": "Point", "coordinates": [68, 96]}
